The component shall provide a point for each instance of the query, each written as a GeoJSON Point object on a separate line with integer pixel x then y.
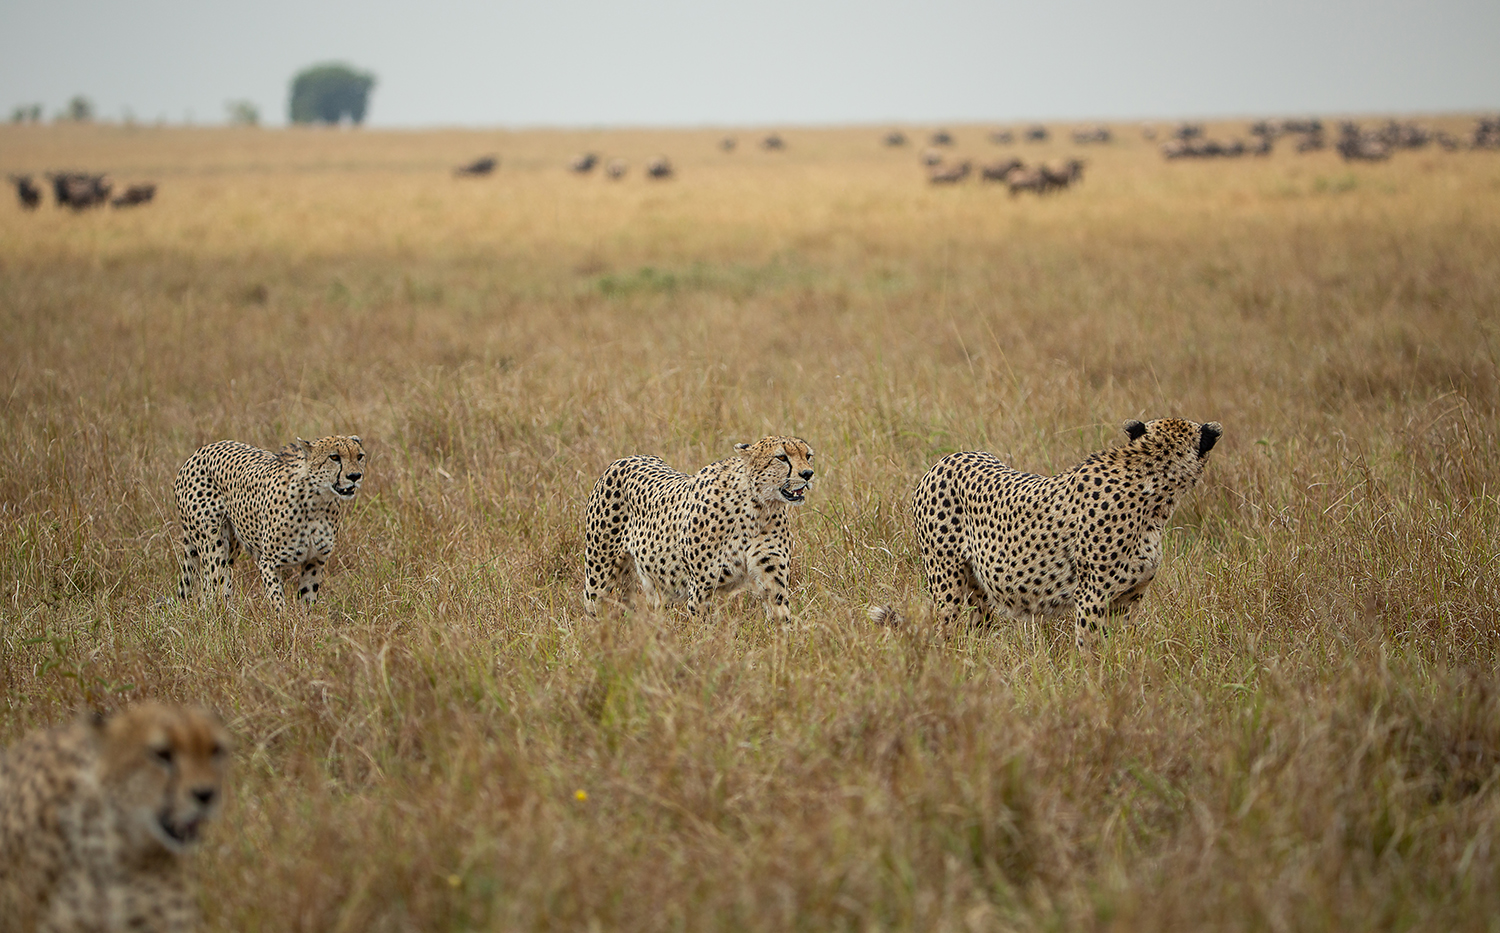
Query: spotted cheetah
{"type": "Point", "coordinates": [94, 818]}
{"type": "Point", "coordinates": [682, 537]}
{"type": "Point", "coordinates": [283, 508]}
{"type": "Point", "coordinates": [1087, 540]}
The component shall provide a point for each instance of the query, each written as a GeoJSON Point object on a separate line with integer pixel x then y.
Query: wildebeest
{"type": "Point", "coordinates": [949, 174]}
{"type": "Point", "coordinates": [659, 167]}
{"type": "Point", "coordinates": [773, 143]}
{"type": "Point", "coordinates": [1357, 145]}
{"type": "Point", "coordinates": [894, 138]}
{"type": "Point", "coordinates": [941, 138]}
{"type": "Point", "coordinates": [480, 166]}
{"type": "Point", "coordinates": [931, 157]}
{"type": "Point", "coordinates": [27, 191]}
{"type": "Point", "coordinates": [1002, 137]}
{"type": "Point", "coordinates": [616, 169]}
{"type": "Point", "coordinates": [1098, 133]}
{"type": "Point", "coordinates": [583, 163]}
{"type": "Point", "coordinates": [1061, 173]}
{"type": "Point", "coordinates": [728, 143]}
{"type": "Point", "coordinates": [140, 193]}
{"type": "Point", "coordinates": [1486, 133]}
{"type": "Point", "coordinates": [1026, 179]}
{"type": "Point", "coordinates": [998, 171]}
{"type": "Point", "coordinates": [80, 190]}
{"type": "Point", "coordinates": [1036, 133]}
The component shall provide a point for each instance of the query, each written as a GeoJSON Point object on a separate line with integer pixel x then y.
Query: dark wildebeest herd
{"type": "Point", "coordinates": [1040, 178]}
{"type": "Point", "coordinates": [80, 191]}
{"type": "Point", "coordinates": [1354, 143]}
{"type": "Point", "coordinates": [83, 190]}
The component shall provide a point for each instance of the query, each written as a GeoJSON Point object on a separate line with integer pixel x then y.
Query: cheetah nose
{"type": "Point", "coordinates": [353, 476]}
{"type": "Point", "coordinates": [806, 474]}
{"type": "Point", "coordinates": [204, 795]}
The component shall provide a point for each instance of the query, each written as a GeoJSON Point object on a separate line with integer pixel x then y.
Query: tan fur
{"type": "Point", "coordinates": [95, 816]}
{"type": "Point", "coordinates": [284, 508]}
{"type": "Point", "coordinates": [1088, 539]}
{"type": "Point", "coordinates": [683, 538]}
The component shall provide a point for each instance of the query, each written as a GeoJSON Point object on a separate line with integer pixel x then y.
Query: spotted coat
{"type": "Point", "coordinates": [680, 538]}
{"type": "Point", "coordinates": [95, 816]}
{"type": "Point", "coordinates": [1088, 539]}
{"type": "Point", "coordinates": [283, 508]}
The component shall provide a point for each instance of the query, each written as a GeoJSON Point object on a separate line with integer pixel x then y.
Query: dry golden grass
{"type": "Point", "coordinates": [1300, 729]}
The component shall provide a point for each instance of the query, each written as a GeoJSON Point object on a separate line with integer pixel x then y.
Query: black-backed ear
{"type": "Point", "coordinates": [1135, 430]}
{"type": "Point", "coordinates": [742, 447]}
{"type": "Point", "coordinates": [355, 439]}
{"type": "Point", "coordinates": [1208, 436]}
{"type": "Point", "coordinates": [304, 447]}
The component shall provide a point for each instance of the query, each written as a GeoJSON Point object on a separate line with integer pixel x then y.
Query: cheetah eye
{"type": "Point", "coordinates": [335, 458]}
{"type": "Point", "coordinates": [782, 458]}
{"type": "Point", "coordinates": [217, 751]}
{"type": "Point", "coordinates": [361, 456]}
{"type": "Point", "coordinates": [163, 755]}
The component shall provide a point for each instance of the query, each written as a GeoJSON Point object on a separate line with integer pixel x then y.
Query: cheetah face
{"type": "Point", "coordinates": [779, 468]}
{"type": "Point", "coordinates": [337, 461]}
{"type": "Point", "coordinates": [164, 767]}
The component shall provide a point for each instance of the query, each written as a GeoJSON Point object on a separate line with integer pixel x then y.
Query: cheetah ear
{"type": "Point", "coordinates": [1135, 429]}
{"type": "Point", "coordinates": [355, 439]}
{"type": "Point", "coordinates": [304, 447]}
{"type": "Point", "coordinates": [742, 447]}
{"type": "Point", "coordinates": [1208, 435]}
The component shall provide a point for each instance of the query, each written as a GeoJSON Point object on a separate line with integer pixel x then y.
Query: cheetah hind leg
{"type": "Point", "coordinates": [612, 583]}
{"type": "Point", "coordinates": [216, 562]}
{"type": "Point", "coordinates": [189, 568]}
{"type": "Point", "coordinates": [955, 589]}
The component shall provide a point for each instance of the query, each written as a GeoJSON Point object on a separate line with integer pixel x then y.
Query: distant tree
{"type": "Point", "coordinates": [242, 113]}
{"type": "Point", "coordinates": [80, 109]}
{"type": "Point", "coordinates": [328, 93]}
{"type": "Point", "coordinates": [27, 113]}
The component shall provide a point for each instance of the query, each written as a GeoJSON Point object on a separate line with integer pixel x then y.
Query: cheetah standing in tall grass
{"type": "Point", "coordinates": [682, 538]}
{"type": "Point", "coordinates": [1088, 539]}
{"type": "Point", "coordinates": [283, 508]}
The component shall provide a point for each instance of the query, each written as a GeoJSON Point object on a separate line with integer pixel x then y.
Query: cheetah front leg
{"type": "Point", "coordinates": [311, 579]}
{"type": "Point", "coordinates": [767, 568]}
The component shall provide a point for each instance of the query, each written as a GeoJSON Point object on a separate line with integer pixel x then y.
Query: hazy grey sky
{"type": "Point", "coordinates": [602, 62]}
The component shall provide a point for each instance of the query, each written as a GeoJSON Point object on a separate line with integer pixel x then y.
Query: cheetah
{"type": "Point", "coordinates": [283, 508]}
{"type": "Point", "coordinates": [95, 816]}
{"type": "Point", "coordinates": [682, 538]}
{"type": "Point", "coordinates": [1087, 540]}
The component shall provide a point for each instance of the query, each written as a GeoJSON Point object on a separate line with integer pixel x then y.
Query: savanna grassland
{"type": "Point", "coordinates": [1300, 728]}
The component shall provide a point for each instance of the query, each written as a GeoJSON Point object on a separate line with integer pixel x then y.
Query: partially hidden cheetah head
{"type": "Point", "coordinates": [163, 770]}
{"type": "Point", "coordinates": [1174, 445]}
{"type": "Point", "coordinates": [779, 468]}
{"type": "Point", "coordinates": [336, 462]}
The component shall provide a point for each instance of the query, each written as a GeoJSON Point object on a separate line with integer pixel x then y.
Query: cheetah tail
{"type": "Point", "coordinates": [885, 615]}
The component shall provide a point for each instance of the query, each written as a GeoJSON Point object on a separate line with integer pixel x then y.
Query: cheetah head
{"type": "Point", "coordinates": [163, 769]}
{"type": "Point", "coordinates": [779, 468]}
{"type": "Point", "coordinates": [1181, 447]}
{"type": "Point", "coordinates": [336, 462]}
